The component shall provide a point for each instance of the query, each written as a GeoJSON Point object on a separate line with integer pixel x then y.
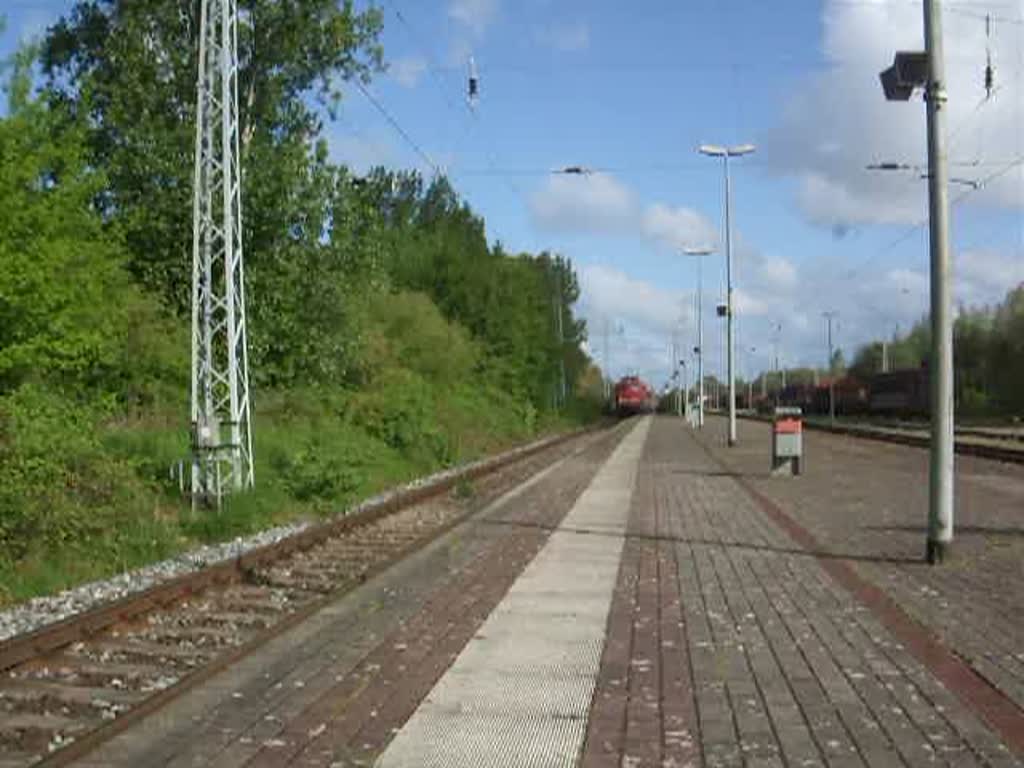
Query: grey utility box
{"type": "Point", "coordinates": [787, 441]}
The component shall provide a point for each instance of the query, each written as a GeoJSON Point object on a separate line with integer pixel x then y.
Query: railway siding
{"type": "Point", "coordinates": [970, 442]}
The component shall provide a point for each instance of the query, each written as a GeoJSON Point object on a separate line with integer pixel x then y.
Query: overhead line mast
{"type": "Point", "coordinates": [221, 423]}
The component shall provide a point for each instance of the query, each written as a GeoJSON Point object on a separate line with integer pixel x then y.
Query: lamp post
{"type": "Point", "coordinates": [829, 317]}
{"type": "Point", "coordinates": [725, 153]}
{"type": "Point", "coordinates": [700, 253]}
{"type": "Point", "coordinates": [685, 392]}
{"type": "Point", "coordinates": [750, 381]}
{"type": "Point", "coordinates": [926, 69]}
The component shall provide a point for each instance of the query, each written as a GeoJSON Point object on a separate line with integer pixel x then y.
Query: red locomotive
{"type": "Point", "coordinates": [632, 395]}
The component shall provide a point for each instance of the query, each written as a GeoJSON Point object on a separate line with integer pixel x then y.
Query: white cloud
{"type": "Point", "coordinates": [749, 304]}
{"type": "Point", "coordinates": [834, 202]}
{"type": "Point", "coordinates": [408, 71]}
{"type": "Point", "coordinates": [640, 319]}
{"type": "Point", "coordinates": [984, 277]}
{"type": "Point", "coordinates": [778, 272]}
{"type": "Point", "coordinates": [475, 15]}
{"type": "Point", "coordinates": [677, 228]}
{"type": "Point", "coordinates": [609, 292]}
{"type": "Point", "coordinates": [568, 38]}
{"type": "Point", "coordinates": [837, 120]}
{"type": "Point", "coordinates": [593, 203]}
{"type": "Point", "coordinates": [598, 202]}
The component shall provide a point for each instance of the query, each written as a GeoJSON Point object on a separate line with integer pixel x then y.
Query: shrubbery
{"type": "Point", "coordinates": [387, 337]}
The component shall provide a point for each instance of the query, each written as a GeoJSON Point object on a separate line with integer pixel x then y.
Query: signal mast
{"type": "Point", "coordinates": [220, 408]}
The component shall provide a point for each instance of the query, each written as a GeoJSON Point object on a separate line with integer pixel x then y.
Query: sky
{"type": "Point", "coordinates": [630, 90]}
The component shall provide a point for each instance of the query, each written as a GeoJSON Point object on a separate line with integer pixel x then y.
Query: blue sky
{"type": "Point", "coordinates": [631, 89]}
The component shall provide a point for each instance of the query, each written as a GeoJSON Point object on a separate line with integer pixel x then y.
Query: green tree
{"type": "Point", "coordinates": [130, 67]}
{"type": "Point", "coordinates": [65, 299]}
{"type": "Point", "coordinates": [1006, 356]}
{"type": "Point", "coordinates": [867, 361]}
{"type": "Point", "coordinates": [837, 365]}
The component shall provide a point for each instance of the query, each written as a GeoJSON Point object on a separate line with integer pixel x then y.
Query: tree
{"type": "Point", "coordinates": [129, 67]}
{"type": "Point", "coordinates": [867, 361]}
{"type": "Point", "coordinates": [837, 365]}
{"type": "Point", "coordinates": [64, 295]}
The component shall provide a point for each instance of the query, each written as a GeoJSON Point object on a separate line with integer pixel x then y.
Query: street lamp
{"type": "Point", "coordinates": [725, 153]}
{"type": "Point", "coordinates": [926, 69]}
{"type": "Point", "coordinates": [700, 253]}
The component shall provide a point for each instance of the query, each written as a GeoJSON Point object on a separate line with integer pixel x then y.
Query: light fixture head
{"type": "Point", "coordinates": [716, 150]}
{"type": "Point", "coordinates": [712, 149]}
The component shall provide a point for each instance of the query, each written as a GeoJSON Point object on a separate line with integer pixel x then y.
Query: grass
{"type": "Point", "coordinates": [314, 457]}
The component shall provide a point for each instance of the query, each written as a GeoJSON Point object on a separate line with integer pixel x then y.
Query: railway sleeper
{"type": "Point", "coordinates": [37, 734]}
{"type": "Point", "coordinates": [134, 650]}
{"type": "Point", "coordinates": [313, 585]}
{"type": "Point", "coordinates": [44, 698]}
{"type": "Point", "coordinates": [407, 531]}
{"type": "Point", "coordinates": [73, 670]}
{"type": "Point", "coordinates": [17, 759]}
{"type": "Point", "coordinates": [186, 635]}
{"type": "Point", "coordinates": [219, 617]}
{"type": "Point", "coordinates": [255, 596]}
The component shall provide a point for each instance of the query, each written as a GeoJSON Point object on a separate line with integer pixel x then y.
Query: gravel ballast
{"type": "Point", "coordinates": [41, 611]}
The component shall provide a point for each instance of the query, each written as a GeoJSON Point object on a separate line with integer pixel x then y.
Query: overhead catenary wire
{"type": "Point", "coordinates": [955, 134]}
{"type": "Point", "coordinates": [399, 129]}
{"type": "Point", "coordinates": [920, 225]}
{"type": "Point", "coordinates": [468, 103]}
{"type": "Point", "coordinates": [977, 10]}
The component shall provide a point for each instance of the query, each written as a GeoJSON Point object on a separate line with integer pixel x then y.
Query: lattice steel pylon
{"type": "Point", "coordinates": [221, 424]}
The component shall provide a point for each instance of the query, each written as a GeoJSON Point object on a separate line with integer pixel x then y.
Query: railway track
{"type": "Point", "coordinates": [70, 686]}
{"type": "Point", "coordinates": [967, 442]}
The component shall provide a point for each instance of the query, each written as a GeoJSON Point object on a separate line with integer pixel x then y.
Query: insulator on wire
{"type": "Point", "coordinates": [990, 73]}
{"type": "Point", "coordinates": [474, 82]}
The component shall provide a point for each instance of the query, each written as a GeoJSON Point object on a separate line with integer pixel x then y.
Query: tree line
{"type": "Point", "coordinates": [988, 356]}
{"type": "Point", "coordinates": [387, 334]}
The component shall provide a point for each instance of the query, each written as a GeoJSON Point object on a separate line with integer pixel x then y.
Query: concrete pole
{"type": "Point", "coordinates": [607, 365]}
{"type": "Point", "coordinates": [700, 342]}
{"type": "Point", "coordinates": [775, 368]}
{"type": "Point", "coordinates": [730, 352]}
{"type": "Point", "coordinates": [686, 392]}
{"type": "Point", "coordinates": [940, 507]}
{"type": "Point", "coordinates": [674, 369]}
{"type": "Point", "coordinates": [831, 373]}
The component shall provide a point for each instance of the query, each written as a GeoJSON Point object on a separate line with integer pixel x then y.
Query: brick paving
{"type": "Point", "coordinates": [642, 712]}
{"type": "Point", "coordinates": [755, 621]}
{"type": "Point", "coordinates": [786, 665]}
{"type": "Point", "coordinates": [520, 691]}
{"type": "Point", "coordinates": [868, 502]}
{"type": "Point", "coordinates": [331, 691]}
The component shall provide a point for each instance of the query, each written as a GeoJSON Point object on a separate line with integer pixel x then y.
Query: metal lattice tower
{"type": "Point", "coordinates": [221, 425]}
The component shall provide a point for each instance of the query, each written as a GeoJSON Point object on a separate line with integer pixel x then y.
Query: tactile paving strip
{"type": "Point", "coordinates": [519, 693]}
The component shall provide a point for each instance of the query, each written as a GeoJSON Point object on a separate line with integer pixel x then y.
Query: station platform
{"type": "Point", "coordinates": [655, 599]}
